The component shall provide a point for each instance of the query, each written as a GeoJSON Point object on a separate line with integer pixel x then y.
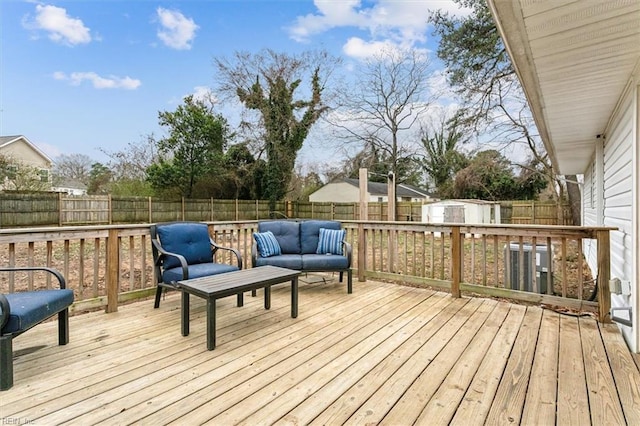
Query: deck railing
{"type": "Point", "coordinates": [107, 265]}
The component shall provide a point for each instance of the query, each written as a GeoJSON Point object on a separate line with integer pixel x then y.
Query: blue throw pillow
{"type": "Point", "coordinates": [330, 241]}
{"type": "Point", "coordinates": [267, 244]}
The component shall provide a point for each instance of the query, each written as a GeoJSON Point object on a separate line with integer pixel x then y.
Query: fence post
{"type": "Point", "coordinates": [604, 275]}
{"type": "Point", "coordinates": [59, 208]}
{"type": "Point", "coordinates": [113, 270]}
{"type": "Point", "coordinates": [150, 211]}
{"type": "Point", "coordinates": [456, 257]}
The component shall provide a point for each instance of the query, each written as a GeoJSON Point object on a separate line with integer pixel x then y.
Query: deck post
{"type": "Point", "coordinates": [604, 275]}
{"type": "Point", "coordinates": [364, 215]}
{"type": "Point", "coordinates": [456, 257]}
{"type": "Point", "coordinates": [113, 270]}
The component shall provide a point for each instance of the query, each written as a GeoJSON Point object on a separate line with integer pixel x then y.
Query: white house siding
{"type": "Point", "coordinates": [619, 188]}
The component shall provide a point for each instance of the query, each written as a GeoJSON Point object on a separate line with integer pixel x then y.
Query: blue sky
{"type": "Point", "coordinates": [76, 76]}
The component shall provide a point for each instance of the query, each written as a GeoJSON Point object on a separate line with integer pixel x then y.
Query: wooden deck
{"type": "Point", "coordinates": [385, 354]}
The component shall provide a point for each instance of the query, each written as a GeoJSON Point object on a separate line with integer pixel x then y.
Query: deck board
{"type": "Point", "coordinates": [386, 354]}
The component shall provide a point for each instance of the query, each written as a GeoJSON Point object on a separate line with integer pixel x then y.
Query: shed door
{"type": "Point", "coordinates": [453, 214]}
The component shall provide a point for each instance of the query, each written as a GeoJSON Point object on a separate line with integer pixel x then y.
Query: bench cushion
{"type": "Point", "coordinates": [310, 233]}
{"type": "Point", "coordinates": [29, 308]}
{"type": "Point", "coordinates": [324, 262]}
{"type": "Point", "coordinates": [196, 271]}
{"type": "Point", "coordinates": [289, 261]}
{"type": "Point", "coordinates": [286, 232]}
{"type": "Point", "coordinates": [191, 240]}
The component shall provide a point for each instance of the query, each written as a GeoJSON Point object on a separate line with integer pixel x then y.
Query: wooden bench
{"type": "Point", "coordinates": [23, 310]}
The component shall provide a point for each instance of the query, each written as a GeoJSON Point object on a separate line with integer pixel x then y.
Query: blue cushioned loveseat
{"type": "Point", "coordinates": [298, 242]}
{"type": "Point", "coordinates": [21, 311]}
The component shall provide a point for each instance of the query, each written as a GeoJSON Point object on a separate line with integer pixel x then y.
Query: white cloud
{"type": "Point", "coordinates": [399, 23]}
{"type": "Point", "coordinates": [98, 82]}
{"type": "Point", "coordinates": [61, 28]}
{"type": "Point", "coordinates": [177, 31]}
{"type": "Point", "coordinates": [204, 94]}
{"type": "Point", "coordinates": [358, 48]}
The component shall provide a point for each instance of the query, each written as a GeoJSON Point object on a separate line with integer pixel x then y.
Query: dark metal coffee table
{"type": "Point", "coordinates": [218, 286]}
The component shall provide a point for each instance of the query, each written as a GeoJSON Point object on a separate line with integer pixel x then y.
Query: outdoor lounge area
{"type": "Point", "coordinates": [388, 354]}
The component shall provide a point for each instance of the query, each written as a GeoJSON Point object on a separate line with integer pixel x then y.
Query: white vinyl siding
{"type": "Point", "coordinates": [618, 199]}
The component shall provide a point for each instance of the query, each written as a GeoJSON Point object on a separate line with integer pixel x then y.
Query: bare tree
{"type": "Point", "coordinates": [73, 166]}
{"type": "Point", "coordinates": [132, 161]}
{"type": "Point", "coordinates": [382, 113]}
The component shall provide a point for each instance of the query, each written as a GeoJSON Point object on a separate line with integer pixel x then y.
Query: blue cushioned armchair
{"type": "Point", "coordinates": [185, 250]}
{"type": "Point", "coordinates": [21, 311]}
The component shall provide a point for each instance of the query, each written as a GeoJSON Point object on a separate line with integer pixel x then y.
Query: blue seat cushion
{"type": "Point", "coordinates": [324, 262]}
{"type": "Point", "coordinates": [290, 261]}
{"type": "Point", "coordinates": [189, 239]}
{"type": "Point", "coordinates": [286, 232]}
{"type": "Point", "coordinates": [29, 308]}
{"type": "Point", "coordinates": [310, 233]}
{"type": "Point", "coordinates": [196, 271]}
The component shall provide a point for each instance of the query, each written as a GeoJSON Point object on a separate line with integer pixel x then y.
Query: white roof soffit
{"type": "Point", "coordinates": [574, 59]}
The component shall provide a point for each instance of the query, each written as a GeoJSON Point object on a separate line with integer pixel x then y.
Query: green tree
{"type": "Point", "coordinates": [267, 83]}
{"type": "Point", "coordinates": [490, 176]}
{"type": "Point", "coordinates": [442, 159]}
{"type": "Point", "coordinates": [99, 179]}
{"type": "Point", "coordinates": [191, 152]}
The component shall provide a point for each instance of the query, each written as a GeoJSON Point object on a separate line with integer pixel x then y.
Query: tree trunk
{"type": "Point", "coordinates": [575, 199]}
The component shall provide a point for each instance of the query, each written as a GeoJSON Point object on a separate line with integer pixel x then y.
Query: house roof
{"type": "Point", "coordinates": [402, 190]}
{"type": "Point", "coordinates": [575, 59]}
{"type": "Point", "coordinates": [8, 140]}
{"type": "Point", "coordinates": [71, 184]}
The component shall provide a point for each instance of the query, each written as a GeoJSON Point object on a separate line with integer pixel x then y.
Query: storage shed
{"type": "Point", "coordinates": [461, 211]}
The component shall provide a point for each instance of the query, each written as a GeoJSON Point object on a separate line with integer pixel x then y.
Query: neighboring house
{"type": "Point", "coordinates": [348, 191]}
{"type": "Point", "coordinates": [579, 64]}
{"type": "Point", "coordinates": [71, 187]}
{"type": "Point", "coordinates": [19, 149]}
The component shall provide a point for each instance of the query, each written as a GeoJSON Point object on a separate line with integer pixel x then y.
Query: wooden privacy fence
{"type": "Point", "coordinates": [105, 265]}
{"type": "Point", "coordinates": [49, 209]}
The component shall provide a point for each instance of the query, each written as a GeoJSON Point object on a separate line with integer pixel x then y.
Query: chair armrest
{"type": "Point", "coordinates": [62, 282]}
{"type": "Point", "coordinates": [254, 253]}
{"type": "Point", "coordinates": [6, 311]}
{"type": "Point", "coordinates": [215, 247]}
{"type": "Point", "coordinates": [162, 253]}
{"type": "Point", "coordinates": [346, 249]}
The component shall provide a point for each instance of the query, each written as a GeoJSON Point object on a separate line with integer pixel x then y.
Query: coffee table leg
{"type": "Point", "coordinates": [267, 297]}
{"type": "Point", "coordinates": [240, 299]}
{"type": "Point", "coordinates": [294, 298]}
{"type": "Point", "coordinates": [211, 324]}
{"type": "Point", "coordinates": [185, 313]}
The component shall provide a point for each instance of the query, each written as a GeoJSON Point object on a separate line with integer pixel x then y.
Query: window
{"type": "Point", "coordinates": [44, 175]}
{"type": "Point", "coordinates": [12, 171]}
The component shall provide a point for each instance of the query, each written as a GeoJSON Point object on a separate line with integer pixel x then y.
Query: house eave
{"type": "Point", "coordinates": [574, 60]}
